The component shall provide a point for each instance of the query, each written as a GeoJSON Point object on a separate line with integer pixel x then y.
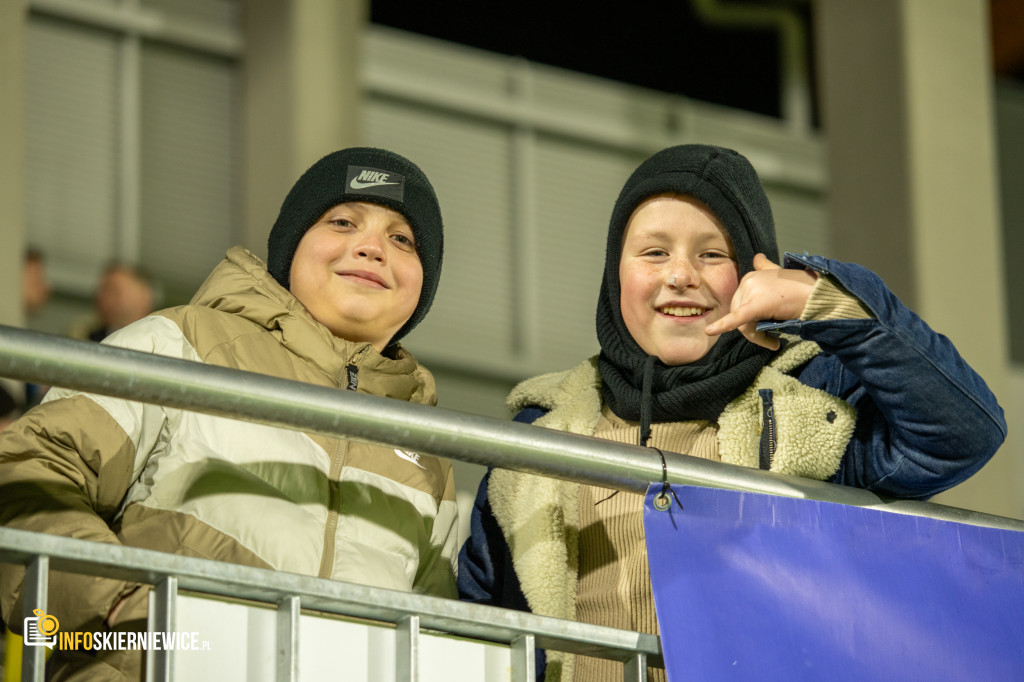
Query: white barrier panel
{"type": "Point", "coordinates": [237, 641]}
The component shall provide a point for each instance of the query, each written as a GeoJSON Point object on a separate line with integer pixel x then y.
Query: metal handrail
{"type": "Point", "coordinates": [144, 377]}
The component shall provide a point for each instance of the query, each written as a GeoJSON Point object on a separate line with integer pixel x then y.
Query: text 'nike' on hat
{"type": "Point", "coordinates": [376, 176]}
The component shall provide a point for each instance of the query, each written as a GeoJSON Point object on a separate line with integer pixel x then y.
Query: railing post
{"type": "Point", "coordinates": [288, 611]}
{"type": "Point", "coordinates": [635, 669]}
{"type": "Point", "coordinates": [524, 659]}
{"type": "Point", "coordinates": [35, 594]}
{"type": "Point", "coordinates": [407, 649]}
{"type": "Point", "coordinates": [162, 618]}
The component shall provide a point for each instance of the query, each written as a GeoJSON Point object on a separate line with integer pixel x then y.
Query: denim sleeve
{"type": "Point", "coordinates": [480, 558]}
{"type": "Point", "coordinates": [926, 420]}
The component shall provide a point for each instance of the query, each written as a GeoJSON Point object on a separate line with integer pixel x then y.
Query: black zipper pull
{"type": "Point", "coordinates": [766, 450]}
{"type": "Point", "coordinates": [353, 377]}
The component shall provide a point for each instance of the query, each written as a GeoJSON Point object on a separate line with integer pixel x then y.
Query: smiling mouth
{"type": "Point", "coordinates": [682, 311]}
{"type": "Point", "coordinates": [365, 278]}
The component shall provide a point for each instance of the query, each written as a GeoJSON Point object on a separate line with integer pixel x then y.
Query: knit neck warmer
{"type": "Point", "coordinates": [638, 386]}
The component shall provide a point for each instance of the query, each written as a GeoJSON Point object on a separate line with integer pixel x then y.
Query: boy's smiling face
{"type": "Point", "coordinates": [357, 272]}
{"type": "Point", "coordinates": [677, 274]}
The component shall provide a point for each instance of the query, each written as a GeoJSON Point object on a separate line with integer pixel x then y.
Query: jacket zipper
{"type": "Point", "coordinates": [766, 450]}
{"type": "Point", "coordinates": [333, 510]}
{"type": "Point", "coordinates": [352, 369]}
{"type": "Point", "coordinates": [334, 478]}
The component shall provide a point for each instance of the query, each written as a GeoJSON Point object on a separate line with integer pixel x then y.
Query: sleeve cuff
{"type": "Point", "coordinates": [830, 301]}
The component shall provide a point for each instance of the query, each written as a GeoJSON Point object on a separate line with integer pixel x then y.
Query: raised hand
{"type": "Point", "coordinates": [769, 292]}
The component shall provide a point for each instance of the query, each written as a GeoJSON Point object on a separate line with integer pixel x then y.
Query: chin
{"type": "Point", "coordinates": [683, 356]}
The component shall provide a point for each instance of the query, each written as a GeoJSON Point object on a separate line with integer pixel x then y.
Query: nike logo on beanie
{"type": "Point", "coordinates": [375, 182]}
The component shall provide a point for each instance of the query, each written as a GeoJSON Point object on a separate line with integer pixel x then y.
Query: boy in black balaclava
{"type": "Point", "coordinates": [685, 366]}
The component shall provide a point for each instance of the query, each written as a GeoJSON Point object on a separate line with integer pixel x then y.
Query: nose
{"type": "Point", "coordinates": [369, 246]}
{"type": "Point", "coordinates": [682, 274]}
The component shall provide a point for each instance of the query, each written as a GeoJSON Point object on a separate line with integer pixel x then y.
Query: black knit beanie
{"type": "Point", "coordinates": [376, 176]}
{"type": "Point", "coordinates": [638, 386]}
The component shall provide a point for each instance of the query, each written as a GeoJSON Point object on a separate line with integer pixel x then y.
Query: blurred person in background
{"type": "Point", "coordinates": [35, 285]}
{"type": "Point", "coordinates": [126, 293]}
{"type": "Point", "coordinates": [15, 396]}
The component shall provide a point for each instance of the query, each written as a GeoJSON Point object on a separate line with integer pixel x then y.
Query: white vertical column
{"type": "Point", "coordinates": [301, 97]}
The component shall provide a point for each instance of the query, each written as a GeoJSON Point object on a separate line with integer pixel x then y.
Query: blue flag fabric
{"type": "Point", "coordinates": [758, 587]}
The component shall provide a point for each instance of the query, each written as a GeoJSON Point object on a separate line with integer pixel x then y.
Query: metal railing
{"type": "Point", "coordinates": [143, 377]}
{"type": "Point", "coordinates": [107, 370]}
{"type": "Point", "coordinates": [290, 592]}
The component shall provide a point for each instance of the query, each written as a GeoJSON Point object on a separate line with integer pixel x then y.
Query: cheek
{"type": "Point", "coordinates": [411, 274]}
{"type": "Point", "coordinates": [634, 290]}
{"type": "Point", "coordinates": [635, 286]}
{"type": "Point", "coordinates": [724, 286]}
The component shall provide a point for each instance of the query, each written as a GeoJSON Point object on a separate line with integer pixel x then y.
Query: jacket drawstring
{"type": "Point", "coordinates": [645, 412]}
{"type": "Point", "coordinates": [646, 408]}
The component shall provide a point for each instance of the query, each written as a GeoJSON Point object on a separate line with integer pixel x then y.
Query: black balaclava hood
{"type": "Point", "coordinates": [376, 176]}
{"type": "Point", "coordinates": [638, 386]}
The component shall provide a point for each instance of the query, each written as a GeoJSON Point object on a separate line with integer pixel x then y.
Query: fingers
{"type": "Point", "coordinates": [735, 319]}
{"type": "Point", "coordinates": [726, 323]}
{"type": "Point", "coordinates": [746, 322]}
{"type": "Point", "coordinates": [762, 262]}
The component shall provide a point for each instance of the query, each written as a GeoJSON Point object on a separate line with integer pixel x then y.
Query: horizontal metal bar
{"type": "Point", "coordinates": [86, 366]}
{"type": "Point", "coordinates": [329, 596]}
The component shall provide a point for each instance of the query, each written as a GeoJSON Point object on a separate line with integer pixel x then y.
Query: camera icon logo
{"type": "Point", "coordinates": [41, 629]}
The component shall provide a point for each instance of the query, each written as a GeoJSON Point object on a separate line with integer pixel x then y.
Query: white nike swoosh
{"type": "Point", "coordinates": [358, 184]}
{"type": "Point", "coordinates": [406, 456]}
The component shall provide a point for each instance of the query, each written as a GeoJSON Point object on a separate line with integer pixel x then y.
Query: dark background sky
{"type": "Point", "coordinates": [660, 45]}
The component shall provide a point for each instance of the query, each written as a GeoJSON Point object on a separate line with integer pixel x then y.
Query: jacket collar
{"type": "Point", "coordinates": [240, 285]}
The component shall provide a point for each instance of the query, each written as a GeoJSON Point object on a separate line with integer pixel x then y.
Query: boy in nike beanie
{"type": "Point", "coordinates": [376, 176]}
{"type": "Point", "coordinates": [354, 261]}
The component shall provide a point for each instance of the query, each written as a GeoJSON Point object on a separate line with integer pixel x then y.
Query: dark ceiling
{"type": "Point", "coordinates": [652, 43]}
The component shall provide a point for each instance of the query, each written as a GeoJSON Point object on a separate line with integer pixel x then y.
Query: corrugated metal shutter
{"type": "Point", "coordinates": [576, 185]}
{"type": "Point", "coordinates": [190, 211]}
{"type": "Point", "coordinates": [468, 162]}
{"type": "Point", "coordinates": [71, 173]}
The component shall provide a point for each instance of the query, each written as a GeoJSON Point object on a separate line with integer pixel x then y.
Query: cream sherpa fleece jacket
{"type": "Point", "coordinates": [539, 516]}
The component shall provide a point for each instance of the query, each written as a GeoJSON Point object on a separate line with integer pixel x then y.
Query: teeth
{"type": "Point", "coordinates": [681, 311]}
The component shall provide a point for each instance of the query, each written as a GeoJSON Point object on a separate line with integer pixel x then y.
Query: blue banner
{"type": "Point", "coordinates": [758, 587]}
